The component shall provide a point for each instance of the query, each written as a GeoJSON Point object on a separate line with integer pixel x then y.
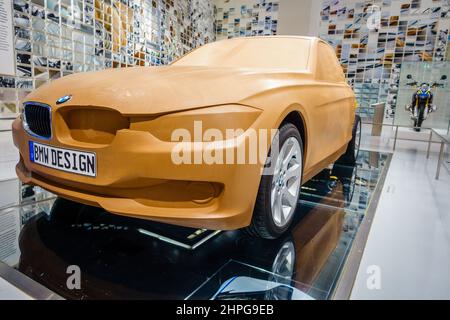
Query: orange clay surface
{"type": "Point", "coordinates": [127, 117]}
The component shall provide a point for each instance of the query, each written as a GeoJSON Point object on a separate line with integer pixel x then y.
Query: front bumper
{"type": "Point", "coordinates": [136, 177]}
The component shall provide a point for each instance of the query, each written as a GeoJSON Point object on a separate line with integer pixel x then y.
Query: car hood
{"type": "Point", "coordinates": [158, 90]}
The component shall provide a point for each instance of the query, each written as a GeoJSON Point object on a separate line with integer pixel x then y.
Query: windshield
{"type": "Point", "coordinates": [260, 52]}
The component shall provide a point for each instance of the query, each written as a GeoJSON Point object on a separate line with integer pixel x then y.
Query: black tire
{"type": "Point", "coordinates": [351, 154]}
{"type": "Point", "coordinates": [418, 122]}
{"type": "Point", "coordinates": [263, 225]}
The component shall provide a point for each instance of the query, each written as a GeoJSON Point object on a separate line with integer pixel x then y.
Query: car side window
{"type": "Point", "coordinates": [328, 67]}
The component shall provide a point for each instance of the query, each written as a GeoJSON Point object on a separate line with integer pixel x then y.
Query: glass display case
{"type": "Point", "coordinates": [125, 258]}
{"type": "Point", "coordinates": [414, 74]}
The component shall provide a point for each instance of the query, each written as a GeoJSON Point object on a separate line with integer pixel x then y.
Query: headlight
{"type": "Point", "coordinates": [222, 118]}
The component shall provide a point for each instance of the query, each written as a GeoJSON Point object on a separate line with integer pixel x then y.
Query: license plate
{"type": "Point", "coordinates": [84, 163]}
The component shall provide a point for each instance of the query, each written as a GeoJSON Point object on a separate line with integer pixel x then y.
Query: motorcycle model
{"type": "Point", "coordinates": [422, 100]}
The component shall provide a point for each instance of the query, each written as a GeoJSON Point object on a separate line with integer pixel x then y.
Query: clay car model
{"type": "Point", "coordinates": [106, 138]}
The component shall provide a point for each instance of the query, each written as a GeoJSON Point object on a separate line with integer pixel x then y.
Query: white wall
{"type": "Point", "coordinates": [314, 19]}
{"type": "Point", "coordinates": [295, 17]}
{"type": "Point", "coordinates": [299, 17]}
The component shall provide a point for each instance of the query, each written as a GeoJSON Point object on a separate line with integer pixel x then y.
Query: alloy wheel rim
{"type": "Point", "coordinates": [283, 269]}
{"type": "Point", "coordinates": [283, 264]}
{"type": "Point", "coordinates": [286, 182]}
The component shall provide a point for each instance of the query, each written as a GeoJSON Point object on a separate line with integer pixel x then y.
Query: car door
{"type": "Point", "coordinates": [332, 102]}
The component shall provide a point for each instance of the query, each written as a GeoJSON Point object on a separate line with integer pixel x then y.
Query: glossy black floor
{"type": "Point", "coordinates": [118, 261]}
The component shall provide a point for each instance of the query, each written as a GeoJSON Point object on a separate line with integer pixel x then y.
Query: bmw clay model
{"type": "Point", "coordinates": [107, 138]}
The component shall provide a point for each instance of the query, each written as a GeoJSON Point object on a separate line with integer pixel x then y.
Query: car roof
{"type": "Point", "coordinates": [225, 44]}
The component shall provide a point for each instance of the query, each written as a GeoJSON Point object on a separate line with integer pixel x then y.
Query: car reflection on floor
{"type": "Point", "coordinates": [117, 261]}
{"type": "Point", "coordinates": [299, 259]}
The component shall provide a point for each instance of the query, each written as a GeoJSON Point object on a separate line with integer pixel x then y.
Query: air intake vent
{"type": "Point", "coordinates": [37, 120]}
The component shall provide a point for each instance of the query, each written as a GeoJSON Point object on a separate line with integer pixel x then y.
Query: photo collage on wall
{"type": "Point", "coordinates": [373, 38]}
{"type": "Point", "coordinates": [246, 18]}
{"type": "Point", "coordinates": [54, 38]}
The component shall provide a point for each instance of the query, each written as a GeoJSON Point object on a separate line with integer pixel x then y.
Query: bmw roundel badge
{"type": "Point", "coordinates": [63, 99]}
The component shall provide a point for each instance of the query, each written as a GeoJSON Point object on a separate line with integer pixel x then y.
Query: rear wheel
{"type": "Point", "coordinates": [278, 193]}
{"type": "Point", "coordinates": [352, 152]}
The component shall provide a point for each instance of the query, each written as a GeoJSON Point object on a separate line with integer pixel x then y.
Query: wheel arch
{"type": "Point", "coordinates": [296, 118]}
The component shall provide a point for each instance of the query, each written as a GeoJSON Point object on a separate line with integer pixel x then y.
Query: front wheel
{"type": "Point", "coordinates": [420, 118]}
{"type": "Point", "coordinates": [279, 192]}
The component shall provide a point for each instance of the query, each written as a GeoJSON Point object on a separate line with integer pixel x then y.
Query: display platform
{"type": "Point", "coordinates": [123, 258]}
